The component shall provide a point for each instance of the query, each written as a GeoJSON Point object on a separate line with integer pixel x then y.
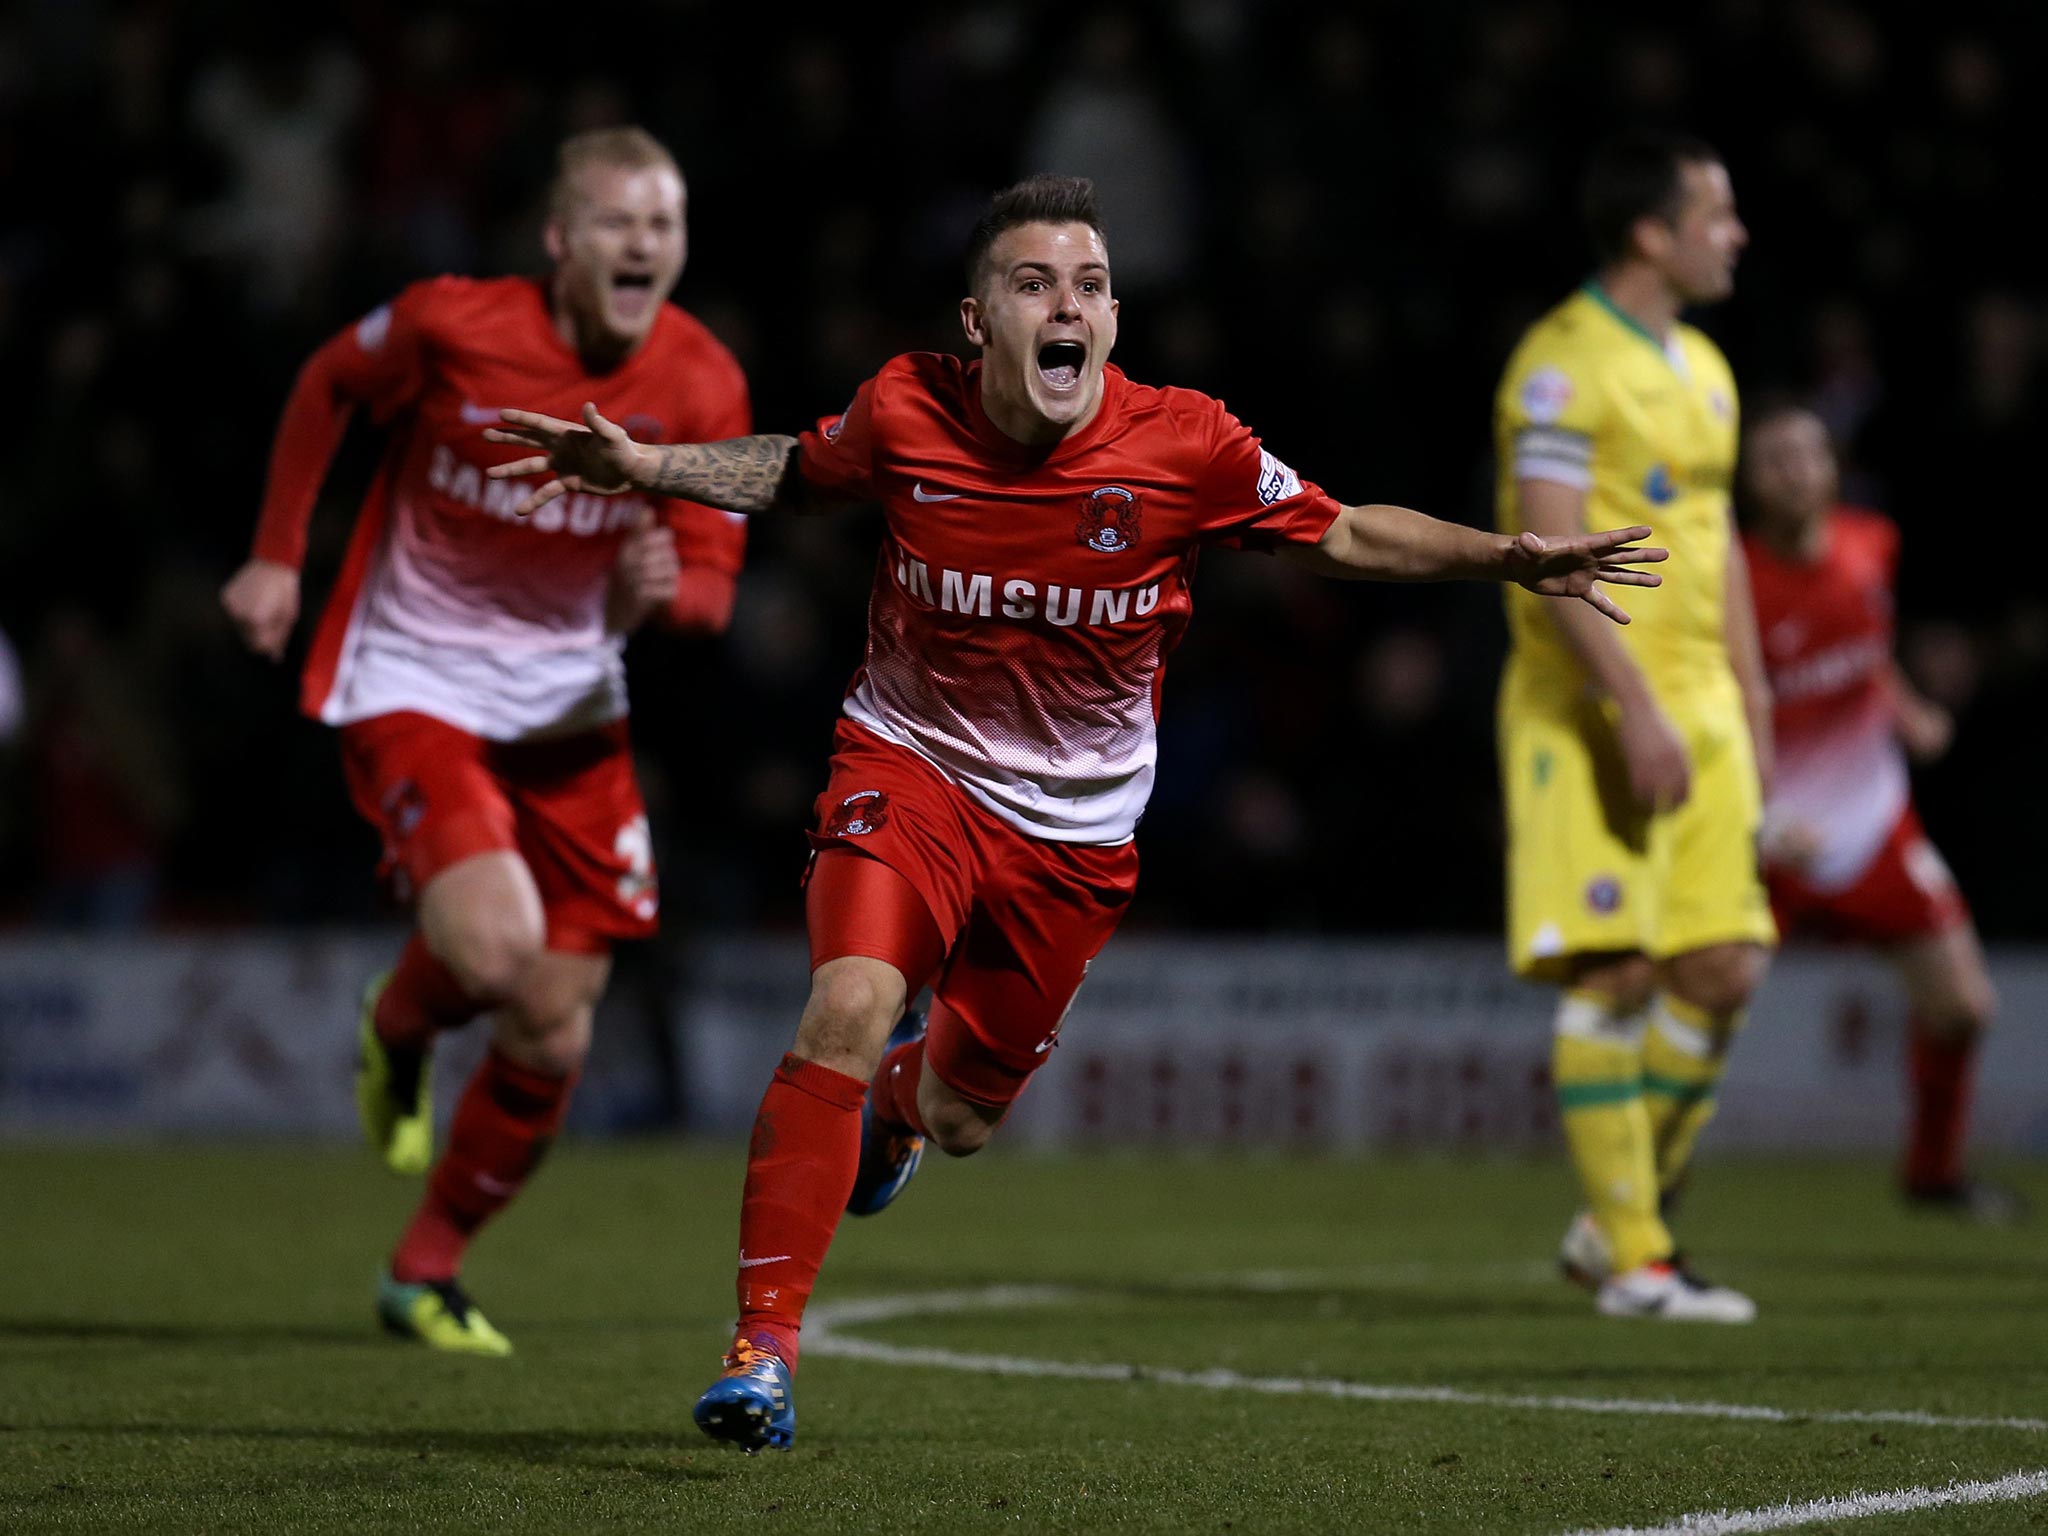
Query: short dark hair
{"type": "Point", "coordinates": [1040, 199]}
{"type": "Point", "coordinates": [1637, 175]}
{"type": "Point", "coordinates": [1762, 407]}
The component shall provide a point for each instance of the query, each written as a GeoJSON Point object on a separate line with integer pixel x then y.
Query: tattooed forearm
{"type": "Point", "coordinates": [741, 474]}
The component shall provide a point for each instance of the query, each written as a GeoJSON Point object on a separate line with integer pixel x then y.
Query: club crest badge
{"type": "Point", "coordinates": [405, 807]}
{"type": "Point", "coordinates": [1545, 394]}
{"type": "Point", "coordinates": [1109, 520]}
{"type": "Point", "coordinates": [862, 812]}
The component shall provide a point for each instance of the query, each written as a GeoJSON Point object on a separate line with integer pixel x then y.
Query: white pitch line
{"type": "Point", "coordinates": [1367, 1276]}
{"type": "Point", "coordinates": [1853, 1506]}
{"type": "Point", "coordinates": [823, 1336]}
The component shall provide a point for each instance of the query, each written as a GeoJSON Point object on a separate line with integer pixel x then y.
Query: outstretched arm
{"type": "Point", "coordinates": [1382, 543]}
{"type": "Point", "coordinates": [741, 474]}
{"type": "Point", "coordinates": [316, 414]}
{"type": "Point", "coordinates": [375, 362]}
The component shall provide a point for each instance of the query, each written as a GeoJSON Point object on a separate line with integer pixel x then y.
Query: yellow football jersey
{"type": "Point", "coordinates": [1648, 430]}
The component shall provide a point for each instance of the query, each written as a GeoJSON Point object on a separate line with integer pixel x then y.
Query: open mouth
{"type": "Point", "coordinates": [1060, 363]}
{"type": "Point", "coordinates": [632, 293]}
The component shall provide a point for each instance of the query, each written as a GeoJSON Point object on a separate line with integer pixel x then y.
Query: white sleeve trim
{"type": "Point", "coordinates": [1554, 453]}
{"type": "Point", "coordinates": [1577, 476]}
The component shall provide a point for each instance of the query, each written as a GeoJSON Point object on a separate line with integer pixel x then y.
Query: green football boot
{"type": "Point", "coordinates": [440, 1315]}
{"type": "Point", "coordinates": [394, 1093]}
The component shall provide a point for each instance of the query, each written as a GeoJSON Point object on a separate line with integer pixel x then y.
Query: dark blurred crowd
{"type": "Point", "coordinates": [1336, 217]}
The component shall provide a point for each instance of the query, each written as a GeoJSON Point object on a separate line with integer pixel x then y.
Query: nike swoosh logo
{"type": "Point", "coordinates": [747, 1263]}
{"type": "Point", "coordinates": [919, 493]}
{"type": "Point", "coordinates": [479, 415]}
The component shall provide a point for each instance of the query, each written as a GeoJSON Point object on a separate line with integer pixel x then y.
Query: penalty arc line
{"type": "Point", "coordinates": [825, 1334]}
{"type": "Point", "coordinates": [1851, 1506]}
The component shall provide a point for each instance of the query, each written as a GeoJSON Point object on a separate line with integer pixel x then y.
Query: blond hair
{"type": "Point", "coordinates": [626, 149]}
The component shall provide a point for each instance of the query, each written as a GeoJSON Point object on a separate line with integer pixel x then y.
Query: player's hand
{"type": "Point", "coordinates": [644, 576]}
{"type": "Point", "coordinates": [1791, 845]}
{"type": "Point", "coordinates": [1659, 771]}
{"type": "Point", "coordinates": [1576, 566]}
{"type": "Point", "coordinates": [1925, 728]}
{"type": "Point", "coordinates": [596, 456]}
{"type": "Point", "coordinates": [262, 599]}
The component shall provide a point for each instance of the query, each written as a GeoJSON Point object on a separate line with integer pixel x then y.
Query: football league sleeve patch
{"type": "Point", "coordinates": [1251, 499]}
{"type": "Point", "coordinates": [1550, 416]}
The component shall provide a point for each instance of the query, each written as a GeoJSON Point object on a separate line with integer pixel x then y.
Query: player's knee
{"type": "Point", "coordinates": [849, 1015]}
{"type": "Point", "coordinates": [956, 1129]}
{"type": "Point", "coordinates": [1719, 980]}
{"type": "Point", "coordinates": [957, 1126]}
{"type": "Point", "coordinates": [1968, 1007]}
{"type": "Point", "coordinates": [554, 1004]}
{"type": "Point", "coordinates": [1627, 982]}
{"type": "Point", "coordinates": [1980, 1007]}
{"type": "Point", "coordinates": [553, 1044]}
{"type": "Point", "coordinates": [493, 956]}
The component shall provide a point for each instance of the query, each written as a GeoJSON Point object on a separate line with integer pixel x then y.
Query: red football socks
{"type": "Point", "coordinates": [893, 1093]}
{"type": "Point", "coordinates": [1943, 1075]}
{"type": "Point", "coordinates": [422, 998]}
{"type": "Point", "coordinates": [800, 1169]}
{"type": "Point", "coordinates": [502, 1128]}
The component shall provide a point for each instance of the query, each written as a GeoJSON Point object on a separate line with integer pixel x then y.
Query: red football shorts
{"type": "Point", "coordinates": [1003, 926]}
{"type": "Point", "coordinates": [569, 807]}
{"type": "Point", "coordinates": [1906, 893]}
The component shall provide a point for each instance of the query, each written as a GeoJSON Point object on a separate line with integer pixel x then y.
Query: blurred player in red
{"type": "Point", "coordinates": [1044, 515]}
{"type": "Point", "coordinates": [1844, 851]}
{"type": "Point", "coordinates": [472, 660]}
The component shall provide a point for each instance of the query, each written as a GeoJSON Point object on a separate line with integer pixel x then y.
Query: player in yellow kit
{"type": "Point", "coordinates": [1630, 757]}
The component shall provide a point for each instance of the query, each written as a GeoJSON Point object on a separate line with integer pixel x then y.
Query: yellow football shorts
{"type": "Point", "coordinates": [1589, 872]}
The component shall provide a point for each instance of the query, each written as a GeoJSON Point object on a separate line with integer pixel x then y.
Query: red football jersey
{"type": "Point", "coordinates": [1827, 634]}
{"type": "Point", "coordinates": [1026, 599]}
{"type": "Point", "coordinates": [447, 603]}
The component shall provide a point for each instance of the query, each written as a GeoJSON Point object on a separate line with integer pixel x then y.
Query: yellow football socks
{"type": "Point", "coordinates": [1597, 1068]}
{"type": "Point", "coordinates": [1685, 1051]}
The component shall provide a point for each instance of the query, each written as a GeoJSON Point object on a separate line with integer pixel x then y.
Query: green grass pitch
{"type": "Point", "coordinates": [186, 1344]}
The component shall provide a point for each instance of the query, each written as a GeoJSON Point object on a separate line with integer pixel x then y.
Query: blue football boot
{"type": "Point", "coordinates": [887, 1157]}
{"type": "Point", "coordinates": [752, 1404]}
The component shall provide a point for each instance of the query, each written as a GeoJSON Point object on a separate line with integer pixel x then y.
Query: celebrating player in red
{"type": "Point", "coordinates": [472, 661]}
{"type": "Point", "coordinates": [1844, 850]}
{"type": "Point", "coordinates": [1044, 517]}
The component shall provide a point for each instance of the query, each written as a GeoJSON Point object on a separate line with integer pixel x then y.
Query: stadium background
{"type": "Point", "coordinates": [1337, 219]}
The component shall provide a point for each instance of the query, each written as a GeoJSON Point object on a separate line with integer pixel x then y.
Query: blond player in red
{"type": "Point", "coordinates": [1044, 515]}
{"type": "Point", "coordinates": [1844, 851]}
{"type": "Point", "coordinates": [472, 661]}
